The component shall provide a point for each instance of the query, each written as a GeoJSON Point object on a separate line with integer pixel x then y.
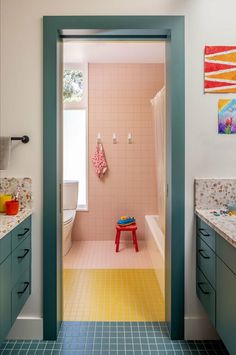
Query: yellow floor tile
{"type": "Point", "coordinates": [112, 295]}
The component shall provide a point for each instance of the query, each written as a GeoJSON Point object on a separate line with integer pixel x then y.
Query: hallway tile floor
{"type": "Point", "coordinates": [113, 338]}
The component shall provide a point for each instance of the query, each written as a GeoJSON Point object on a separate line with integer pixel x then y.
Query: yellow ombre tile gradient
{"type": "Point", "coordinates": [112, 295]}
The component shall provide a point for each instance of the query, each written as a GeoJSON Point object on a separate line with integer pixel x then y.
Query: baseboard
{"type": "Point", "coordinates": [199, 329]}
{"type": "Point", "coordinates": [27, 328]}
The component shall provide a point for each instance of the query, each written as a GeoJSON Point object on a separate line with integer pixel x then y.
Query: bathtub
{"type": "Point", "coordinates": [155, 241]}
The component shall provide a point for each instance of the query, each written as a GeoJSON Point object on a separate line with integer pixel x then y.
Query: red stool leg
{"type": "Point", "coordinates": [116, 236]}
{"type": "Point", "coordinates": [135, 240]}
{"type": "Point", "coordinates": [117, 241]}
{"type": "Point", "coordinates": [133, 237]}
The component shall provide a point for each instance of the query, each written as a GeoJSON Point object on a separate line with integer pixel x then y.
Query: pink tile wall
{"type": "Point", "coordinates": [119, 102]}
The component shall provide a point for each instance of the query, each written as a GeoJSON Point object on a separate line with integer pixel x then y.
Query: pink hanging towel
{"type": "Point", "coordinates": [99, 161]}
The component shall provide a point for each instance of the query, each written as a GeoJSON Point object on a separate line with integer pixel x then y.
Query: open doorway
{"type": "Point", "coordinates": [114, 102]}
{"type": "Point", "coordinates": [171, 30]}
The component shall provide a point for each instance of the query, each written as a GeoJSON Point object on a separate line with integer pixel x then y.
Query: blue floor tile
{"type": "Point", "coordinates": [113, 338]}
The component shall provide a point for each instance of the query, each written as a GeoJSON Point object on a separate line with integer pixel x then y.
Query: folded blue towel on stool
{"type": "Point", "coordinates": [126, 221]}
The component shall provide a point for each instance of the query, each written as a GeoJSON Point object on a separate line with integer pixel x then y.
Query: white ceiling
{"type": "Point", "coordinates": [114, 52]}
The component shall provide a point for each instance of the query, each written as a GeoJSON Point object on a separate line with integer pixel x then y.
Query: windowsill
{"type": "Point", "coordinates": [82, 209]}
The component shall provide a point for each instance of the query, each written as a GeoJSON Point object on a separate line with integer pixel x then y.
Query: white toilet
{"type": "Point", "coordinates": [70, 200]}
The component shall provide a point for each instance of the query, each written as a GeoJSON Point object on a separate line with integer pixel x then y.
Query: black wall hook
{"type": "Point", "coordinates": [24, 139]}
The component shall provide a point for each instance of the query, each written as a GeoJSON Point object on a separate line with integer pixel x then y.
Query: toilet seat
{"type": "Point", "coordinates": [68, 216]}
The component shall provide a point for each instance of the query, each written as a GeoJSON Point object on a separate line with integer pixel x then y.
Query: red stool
{"type": "Point", "coordinates": [131, 228]}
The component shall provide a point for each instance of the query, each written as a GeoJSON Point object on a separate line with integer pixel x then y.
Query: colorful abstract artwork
{"type": "Point", "coordinates": [227, 116]}
{"type": "Point", "coordinates": [220, 69]}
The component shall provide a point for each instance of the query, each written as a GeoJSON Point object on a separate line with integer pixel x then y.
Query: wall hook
{"type": "Point", "coordinates": [130, 139]}
{"type": "Point", "coordinates": [99, 138]}
{"type": "Point", "coordinates": [114, 138]}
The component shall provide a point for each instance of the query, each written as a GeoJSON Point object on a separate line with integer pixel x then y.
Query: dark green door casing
{"type": "Point", "coordinates": [54, 27]}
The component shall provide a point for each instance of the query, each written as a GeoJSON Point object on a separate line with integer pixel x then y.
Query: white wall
{"type": "Point", "coordinates": [207, 153]}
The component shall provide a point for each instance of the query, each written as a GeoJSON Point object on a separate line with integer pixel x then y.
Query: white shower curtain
{"type": "Point", "coordinates": [159, 129]}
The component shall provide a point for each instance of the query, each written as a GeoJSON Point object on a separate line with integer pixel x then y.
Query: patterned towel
{"type": "Point", "coordinates": [99, 161]}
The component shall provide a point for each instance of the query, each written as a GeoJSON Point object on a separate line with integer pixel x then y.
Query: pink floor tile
{"type": "Point", "coordinates": [102, 255]}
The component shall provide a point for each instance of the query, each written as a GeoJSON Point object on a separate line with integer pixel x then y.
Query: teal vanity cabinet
{"type": "Point", "coordinates": [216, 282]}
{"type": "Point", "coordinates": [15, 274]}
{"type": "Point", "coordinates": [5, 286]}
{"type": "Point", "coordinates": [226, 293]}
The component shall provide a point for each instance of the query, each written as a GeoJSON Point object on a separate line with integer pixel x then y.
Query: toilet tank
{"type": "Point", "coordinates": [70, 195]}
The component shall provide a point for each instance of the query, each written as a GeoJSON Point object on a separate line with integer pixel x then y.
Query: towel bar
{"type": "Point", "coordinates": [24, 139]}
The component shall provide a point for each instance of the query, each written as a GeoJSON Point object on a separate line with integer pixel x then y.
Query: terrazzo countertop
{"type": "Point", "coordinates": [224, 225]}
{"type": "Point", "coordinates": [8, 223]}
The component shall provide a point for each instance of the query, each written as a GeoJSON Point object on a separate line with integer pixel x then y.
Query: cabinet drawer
{"type": "Point", "coordinates": [206, 233]}
{"type": "Point", "coordinates": [20, 294]}
{"type": "Point", "coordinates": [21, 232]}
{"type": "Point", "coordinates": [226, 252]}
{"type": "Point", "coordinates": [206, 261]}
{"type": "Point", "coordinates": [21, 259]}
{"type": "Point", "coordinates": [5, 247]}
{"type": "Point", "coordinates": [206, 295]}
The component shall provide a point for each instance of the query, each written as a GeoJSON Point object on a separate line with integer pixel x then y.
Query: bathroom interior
{"type": "Point", "coordinates": [114, 103]}
{"type": "Point", "coordinates": [120, 110]}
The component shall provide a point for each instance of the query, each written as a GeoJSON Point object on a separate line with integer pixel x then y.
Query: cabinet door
{"type": "Point", "coordinates": [206, 295]}
{"type": "Point", "coordinates": [5, 298]}
{"type": "Point", "coordinates": [226, 305]}
{"type": "Point", "coordinates": [20, 294]}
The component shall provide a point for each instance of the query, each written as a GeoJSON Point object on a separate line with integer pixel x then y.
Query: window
{"type": "Point", "coordinates": [73, 85]}
{"type": "Point", "coordinates": [75, 151]}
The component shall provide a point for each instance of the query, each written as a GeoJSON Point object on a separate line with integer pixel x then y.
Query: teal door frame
{"type": "Point", "coordinates": [170, 29]}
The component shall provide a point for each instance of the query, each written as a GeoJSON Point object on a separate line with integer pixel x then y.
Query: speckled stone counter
{"type": "Point", "coordinates": [214, 195]}
{"type": "Point", "coordinates": [9, 186]}
{"type": "Point", "coordinates": [23, 186]}
{"type": "Point", "coordinates": [8, 223]}
{"type": "Point", "coordinates": [225, 226]}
